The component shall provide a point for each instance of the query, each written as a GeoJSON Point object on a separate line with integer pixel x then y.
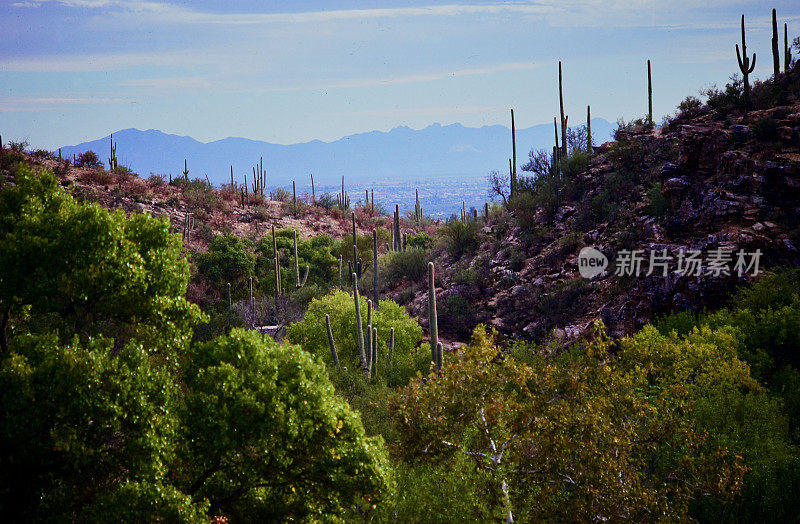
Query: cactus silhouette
{"type": "Point", "coordinates": [649, 95]}
{"type": "Point", "coordinates": [375, 268]}
{"type": "Point", "coordinates": [513, 181]}
{"type": "Point", "coordinates": [563, 117]}
{"type": "Point", "coordinates": [787, 51]}
{"type": "Point", "coordinates": [185, 170]}
{"type": "Point", "coordinates": [776, 57]}
{"type": "Point", "coordinates": [746, 66]}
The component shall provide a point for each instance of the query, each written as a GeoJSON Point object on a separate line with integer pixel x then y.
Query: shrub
{"type": "Point", "coordinates": [420, 241]}
{"type": "Point", "coordinates": [690, 107]}
{"type": "Point", "coordinates": [658, 204]}
{"type": "Point", "coordinates": [97, 177]}
{"type": "Point", "coordinates": [310, 333]}
{"type": "Point", "coordinates": [280, 195]}
{"type": "Point", "coordinates": [459, 237]}
{"type": "Point", "coordinates": [765, 129]}
{"type": "Point", "coordinates": [731, 98]}
{"type": "Point", "coordinates": [88, 159]}
{"type": "Point", "coordinates": [398, 266]}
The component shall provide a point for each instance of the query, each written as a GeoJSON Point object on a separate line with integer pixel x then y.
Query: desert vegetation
{"type": "Point", "coordinates": [171, 351]}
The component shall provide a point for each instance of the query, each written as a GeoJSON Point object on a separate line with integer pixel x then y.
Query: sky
{"type": "Point", "coordinates": [291, 71]}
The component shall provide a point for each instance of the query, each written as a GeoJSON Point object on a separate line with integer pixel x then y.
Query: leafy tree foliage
{"type": "Point", "coordinates": [310, 333]}
{"type": "Point", "coordinates": [77, 268]}
{"type": "Point", "coordinates": [95, 424]}
{"type": "Point", "coordinates": [267, 438]}
{"type": "Point", "coordinates": [570, 439]}
{"type": "Point", "coordinates": [76, 421]}
{"type": "Point", "coordinates": [229, 259]}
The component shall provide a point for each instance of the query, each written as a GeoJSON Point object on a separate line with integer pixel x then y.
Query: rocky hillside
{"type": "Point", "coordinates": [712, 178]}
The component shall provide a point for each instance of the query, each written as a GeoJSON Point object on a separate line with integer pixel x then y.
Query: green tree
{"type": "Point", "coordinates": [573, 438]}
{"type": "Point", "coordinates": [229, 260]}
{"type": "Point", "coordinates": [85, 271]}
{"type": "Point", "coordinates": [76, 421]}
{"type": "Point", "coordinates": [266, 437]}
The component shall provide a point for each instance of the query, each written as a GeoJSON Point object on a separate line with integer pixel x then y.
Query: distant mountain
{"type": "Point", "coordinates": [401, 153]}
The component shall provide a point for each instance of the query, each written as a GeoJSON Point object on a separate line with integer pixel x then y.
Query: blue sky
{"type": "Point", "coordinates": [290, 71]}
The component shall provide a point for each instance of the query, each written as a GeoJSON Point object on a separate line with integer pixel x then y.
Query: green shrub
{"type": "Point", "coordinates": [420, 241]}
{"type": "Point", "coordinates": [310, 333]}
{"type": "Point", "coordinates": [765, 129]}
{"type": "Point", "coordinates": [658, 204]}
{"type": "Point", "coordinates": [398, 266]}
{"type": "Point", "coordinates": [459, 238]}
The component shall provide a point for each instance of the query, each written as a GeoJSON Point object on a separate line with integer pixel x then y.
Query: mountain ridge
{"type": "Point", "coordinates": [435, 150]}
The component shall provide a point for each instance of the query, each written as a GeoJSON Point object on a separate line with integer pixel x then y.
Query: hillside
{"type": "Point", "coordinates": [707, 179]}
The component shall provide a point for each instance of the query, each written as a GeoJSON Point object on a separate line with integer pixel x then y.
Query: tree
{"type": "Point", "coordinates": [572, 438]}
{"type": "Point", "coordinates": [266, 437]}
{"type": "Point", "coordinates": [229, 259]}
{"type": "Point", "coordinates": [85, 271]}
{"type": "Point", "coordinates": [76, 421]}
{"type": "Point", "coordinates": [498, 185]}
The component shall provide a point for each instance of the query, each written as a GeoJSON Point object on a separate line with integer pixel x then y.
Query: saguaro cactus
{"type": "Point", "coordinates": [294, 199]}
{"type": "Point", "coordinates": [439, 358]}
{"type": "Point", "coordinates": [374, 352]}
{"type": "Point", "coordinates": [397, 240]}
{"type": "Point", "coordinates": [417, 209]}
{"type": "Point", "coordinates": [390, 352]}
{"type": "Point", "coordinates": [355, 247]}
{"type": "Point", "coordinates": [649, 95]}
{"type": "Point", "coordinates": [259, 178]}
{"type": "Point", "coordinates": [432, 318]}
{"type": "Point", "coordinates": [330, 341]}
{"type": "Point", "coordinates": [359, 329]}
{"type": "Point", "coordinates": [563, 117]}
{"type": "Point", "coordinates": [298, 284]}
{"type": "Point", "coordinates": [746, 66]}
{"type": "Point", "coordinates": [112, 159]}
{"type": "Point", "coordinates": [313, 194]}
{"type": "Point", "coordinates": [375, 268]}
{"type": "Point", "coordinates": [589, 149]}
{"type": "Point", "coordinates": [185, 170]}
{"type": "Point", "coordinates": [513, 188]}
{"type": "Point", "coordinates": [776, 57]}
{"type": "Point", "coordinates": [787, 51]}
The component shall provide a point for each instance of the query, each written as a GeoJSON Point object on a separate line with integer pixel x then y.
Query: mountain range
{"type": "Point", "coordinates": [400, 154]}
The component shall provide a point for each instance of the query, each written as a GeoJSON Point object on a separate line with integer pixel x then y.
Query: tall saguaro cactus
{"type": "Point", "coordinates": [589, 149]}
{"type": "Point", "coordinates": [185, 170]}
{"type": "Point", "coordinates": [513, 188]}
{"type": "Point", "coordinates": [313, 193]}
{"type": "Point", "coordinates": [359, 329]}
{"type": "Point", "coordinates": [561, 107]}
{"type": "Point", "coordinates": [432, 317]}
{"type": "Point", "coordinates": [355, 246]}
{"type": "Point", "coordinates": [112, 159]}
{"type": "Point", "coordinates": [649, 94]}
{"type": "Point", "coordinates": [787, 51]}
{"type": "Point", "coordinates": [375, 268]}
{"type": "Point", "coordinates": [334, 355]}
{"type": "Point", "coordinates": [298, 284]}
{"type": "Point", "coordinates": [746, 66]}
{"type": "Point", "coordinates": [776, 57]}
{"type": "Point", "coordinates": [277, 267]}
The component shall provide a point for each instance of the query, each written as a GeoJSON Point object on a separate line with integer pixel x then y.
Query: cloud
{"type": "Point", "coordinates": [98, 62]}
{"type": "Point", "coordinates": [402, 79]}
{"type": "Point", "coordinates": [172, 83]}
{"type": "Point", "coordinates": [49, 103]}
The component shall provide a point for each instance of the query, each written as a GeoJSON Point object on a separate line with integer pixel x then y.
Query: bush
{"type": "Point", "coordinates": [723, 102]}
{"type": "Point", "coordinates": [398, 266]}
{"type": "Point", "coordinates": [97, 177]}
{"type": "Point", "coordinates": [765, 129]}
{"type": "Point", "coordinates": [460, 238]}
{"type": "Point", "coordinates": [310, 333]}
{"type": "Point", "coordinates": [690, 107]}
{"type": "Point", "coordinates": [88, 159]}
{"type": "Point", "coordinates": [658, 204]}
